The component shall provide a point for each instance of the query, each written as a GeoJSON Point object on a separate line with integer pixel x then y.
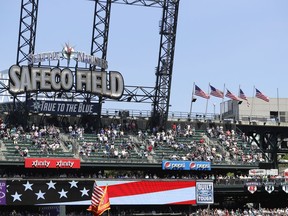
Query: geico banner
{"type": "Point", "coordinates": [52, 163]}
{"type": "Point", "coordinates": [186, 165]}
{"type": "Point", "coordinates": [25, 79]}
{"type": "Point", "coordinates": [63, 107]}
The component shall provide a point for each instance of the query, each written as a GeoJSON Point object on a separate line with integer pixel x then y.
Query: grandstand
{"type": "Point", "coordinates": [146, 151]}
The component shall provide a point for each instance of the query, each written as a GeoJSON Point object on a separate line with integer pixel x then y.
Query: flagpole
{"type": "Point", "coordinates": [278, 106]}
{"type": "Point", "coordinates": [207, 101]}
{"type": "Point", "coordinates": [238, 112]}
{"type": "Point", "coordinates": [253, 94]}
{"type": "Point", "coordinates": [222, 103]}
{"type": "Point", "coordinates": [190, 113]}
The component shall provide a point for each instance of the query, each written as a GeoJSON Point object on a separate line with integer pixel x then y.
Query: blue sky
{"type": "Point", "coordinates": [231, 42]}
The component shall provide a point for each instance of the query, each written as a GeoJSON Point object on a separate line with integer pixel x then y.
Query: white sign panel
{"type": "Point", "coordinates": [204, 193]}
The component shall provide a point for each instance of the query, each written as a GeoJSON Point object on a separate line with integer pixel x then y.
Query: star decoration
{"type": "Point", "coordinates": [40, 195]}
{"type": "Point", "coordinates": [84, 192]}
{"type": "Point", "coordinates": [73, 184]}
{"type": "Point", "coordinates": [51, 185]}
{"type": "Point", "coordinates": [43, 192]}
{"type": "Point", "coordinates": [36, 105]}
{"type": "Point", "coordinates": [63, 193]}
{"type": "Point", "coordinates": [28, 186]}
{"type": "Point", "coordinates": [16, 196]}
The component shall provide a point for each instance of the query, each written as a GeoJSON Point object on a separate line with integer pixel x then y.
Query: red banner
{"type": "Point", "coordinates": [52, 163]}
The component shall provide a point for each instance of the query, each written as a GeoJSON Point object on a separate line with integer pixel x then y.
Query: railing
{"type": "Point", "coordinates": [195, 116]}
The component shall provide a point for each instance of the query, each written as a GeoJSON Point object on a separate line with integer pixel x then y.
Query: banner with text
{"type": "Point", "coordinates": [52, 163]}
{"type": "Point", "coordinates": [262, 172]}
{"type": "Point", "coordinates": [2, 192]}
{"type": "Point", "coordinates": [63, 107]}
{"type": "Point", "coordinates": [186, 165]}
{"type": "Point", "coordinates": [204, 192]}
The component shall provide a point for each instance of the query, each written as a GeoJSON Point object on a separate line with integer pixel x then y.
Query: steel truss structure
{"type": "Point", "coordinates": [272, 140]}
{"type": "Point", "coordinates": [158, 96]}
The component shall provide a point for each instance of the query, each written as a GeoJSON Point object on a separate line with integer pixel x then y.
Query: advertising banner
{"type": "Point", "coordinates": [2, 192]}
{"type": "Point", "coordinates": [186, 165]}
{"type": "Point", "coordinates": [204, 192]}
{"type": "Point", "coordinates": [52, 163]}
{"type": "Point", "coordinates": [63, 107]}
{"type": "Point", "coordinates": [262, 172]}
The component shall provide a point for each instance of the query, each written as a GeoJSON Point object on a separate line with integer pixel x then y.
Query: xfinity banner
{"type": "Point", "coordinates": [186, 165]}
{"type": "Point", "coordinates": [52, 163]}
{"type": "Point", "coordinates": [63, 107]}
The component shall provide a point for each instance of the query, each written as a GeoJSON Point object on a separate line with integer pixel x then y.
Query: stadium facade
{"type": "Point", "coordinates": [56, 140]}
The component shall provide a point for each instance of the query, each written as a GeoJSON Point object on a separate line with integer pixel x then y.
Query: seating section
{"type": "Point", "coordinates": [103, 148]}
{"type": "Point", "coordinates": [112, 145]}
{"type": "Point", "coordinates": [236, 145]}
{"type": "Point", "coordinates": [16, 145]}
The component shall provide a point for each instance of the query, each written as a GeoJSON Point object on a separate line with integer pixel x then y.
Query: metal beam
{"type": "Point", "coordinates": [27, 30]}
{"type": "Point", "coordinates": [165, 63]}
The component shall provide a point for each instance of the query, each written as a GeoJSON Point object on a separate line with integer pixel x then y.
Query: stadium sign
{"type": "Point", "coordinates": [63, 107]}
{"type": "Point", "coordinates": [2, 192]}
{"type": "Point", "coordinates": [204, 193]}
{"type": "Point", "coordinates": [59, 163]}
{"type": "Point", "coordinates": [68, 53]}
{"type": "Point", "coordinates": [30, 79]}
{"type": "Point", "coordinates": [252, 187]}
{"type": "Point", "coordinates": [186, 165]}
{"type": "Point", "coordinates": [284, 186]}
{"type": "Point", "coordinates": [262, 172]}
{"type": "Point", "coordinates": [269, 187]}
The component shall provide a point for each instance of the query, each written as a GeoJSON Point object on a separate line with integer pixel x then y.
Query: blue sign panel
{"type": "Point", "coordinates": [204, 193]}
{"type": "Point", "coordinates": [63, 107]}
{"type": "Point", "coordinates": [186, 165]}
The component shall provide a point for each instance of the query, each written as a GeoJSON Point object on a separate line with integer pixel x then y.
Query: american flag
{"type": "Point", "coordinates": [216, 92]}
{"type": "Point", "coordinates": [199, 92]}
{"type": "Point", "coordinates": [231, 96]}
{"type": "Point", "coordinates": [96, 195]}
{"type": "Point", "coordinates": [242, 95]}
{"type": "Point", "coordinates": [99, 200]}
{"type": "Point", "coordinates": [261, 96]}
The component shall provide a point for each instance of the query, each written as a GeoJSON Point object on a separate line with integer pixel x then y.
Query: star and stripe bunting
{"type": "Point", "coordinates": [79, 192]}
